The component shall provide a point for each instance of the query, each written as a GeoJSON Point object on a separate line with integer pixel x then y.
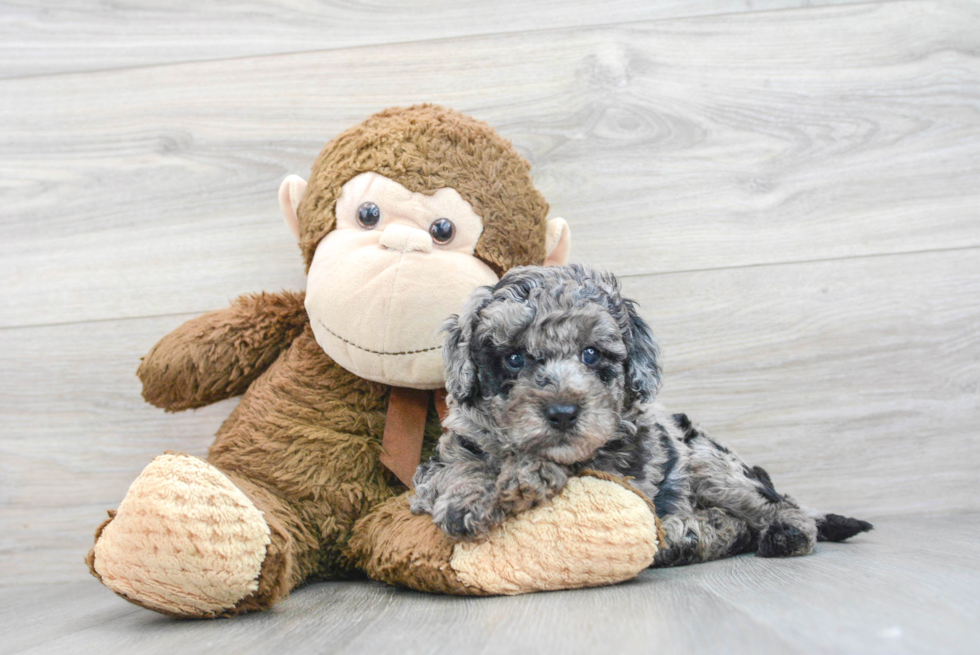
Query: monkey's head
{"type": "Point", "coordinates": [403, 217]}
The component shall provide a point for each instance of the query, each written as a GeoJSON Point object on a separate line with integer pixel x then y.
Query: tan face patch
{"type": "Point", "coordinates": [378, 290]}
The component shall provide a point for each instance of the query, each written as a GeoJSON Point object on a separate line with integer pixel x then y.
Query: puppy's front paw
{"type": "Point", "coordinates": [455, 521]}
{"type": "Point", "coordinates": [523, 486]}
{"type": "Point", "coordinates": [465, 520]}
{"type": "Point", "coordinates": [680, 553]}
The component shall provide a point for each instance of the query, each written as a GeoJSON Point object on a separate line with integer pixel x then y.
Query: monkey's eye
{"type": "Point", "coordinates": [442, 231]}
{"type": "Point", "coordinates": [368, 215]}
{"type": "Point", "coordinates": [590, 357]}
{"type": "Point", "coordinates": [515, 361]}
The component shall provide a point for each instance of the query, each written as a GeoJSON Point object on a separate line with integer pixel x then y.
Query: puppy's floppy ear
{"type": "Point", "coordinates": [462, 381]}
{"type": "Point", "coordinates": [460, 371]}
{"type": "Point", "coordinates": [643, 360]}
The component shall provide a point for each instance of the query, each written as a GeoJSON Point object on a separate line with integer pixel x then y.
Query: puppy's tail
{"type": "Point", "coordinates": [834, 527]}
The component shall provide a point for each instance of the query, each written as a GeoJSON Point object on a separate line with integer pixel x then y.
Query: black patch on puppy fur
{"type": "Point", "coordinates": [668, 495]}
{"type": "Point", "coordinates": [763, 477]}
{"type": "Point", "coordinates": [834, 527]}
{"type": "Point", "coordinates": [766, 489]}
{"type": "Point", "coordinates": [637, 454]}
{"type": "Point", "coordinates": [684, 423]}
{"type": "Point", "coordinates": [717, 446]}
{"type": "Point", "coordinates": [494, 376]}
{"type": "Point", "coordinates": [626, 453]}
{"type": "Point", "coordinates": [743, 543]}
{"type": "Point", "coordinates": [782, 540]}
{"type": "Point", "coordinates": [471, 446]}
{"type": "Point", "coordinates": [607, 372]}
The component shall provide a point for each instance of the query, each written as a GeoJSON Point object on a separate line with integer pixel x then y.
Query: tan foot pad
{"type": "Point", "coordinates": [596, 532]}
{"type": "Point", "coordinates": [185, 540]}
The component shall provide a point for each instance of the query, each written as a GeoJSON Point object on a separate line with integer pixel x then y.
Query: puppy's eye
{"type": "Point", "coordinates": [368, 215]}
{"type": "Point", "coordinates": [590, 357]}
{"type": "Point", "coordinates": [515, 361]}
{"type": "Point", "coordinates": [442, 231]}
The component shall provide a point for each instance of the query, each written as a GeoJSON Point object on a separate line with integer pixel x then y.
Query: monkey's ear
{"type": "Point", "coordinates": [557, 243]}
{"type": "Point", "coordinates": [291, 193]}
{"type": "Point", "coordinates": [643, 360]}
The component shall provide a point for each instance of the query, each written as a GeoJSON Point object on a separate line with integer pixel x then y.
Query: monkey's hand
{"type": "Point", "coordinates": [217, 355]}
{"type": "Point", "coordinates": [527, 482]}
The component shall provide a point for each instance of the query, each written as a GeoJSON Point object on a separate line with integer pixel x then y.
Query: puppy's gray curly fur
{"type": "Point", "coordinates": [514, 357]}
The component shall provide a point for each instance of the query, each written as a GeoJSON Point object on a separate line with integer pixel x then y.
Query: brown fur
{"type": "Point", "coordinates": [307, 434]}
{"type": "Point", "coordinates": [395, 546]}
{"type": "Point", "coordinates": [426, 148]}
{"type": "Point", "coordinates": [90, 557]}
{"type": "Point", "coordinates": [217, 355]}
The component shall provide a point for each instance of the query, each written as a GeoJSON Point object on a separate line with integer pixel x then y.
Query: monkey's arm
{"type": "Point", "coordinates": [599, 530]}
{"type": "Point", "coordinates": [217, 355]}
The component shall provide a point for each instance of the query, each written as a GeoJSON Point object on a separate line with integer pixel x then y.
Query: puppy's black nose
{"type": "Point", "coordinates": [562, 416]}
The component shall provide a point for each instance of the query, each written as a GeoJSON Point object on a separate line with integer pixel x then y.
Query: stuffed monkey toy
{"type": "Point", "coordinates": [404, 215]}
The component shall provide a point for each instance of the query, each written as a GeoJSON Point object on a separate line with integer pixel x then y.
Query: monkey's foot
{"type": "Point", "coordinates": [185, 541]}
{"type": "Point", "coordinates": [598, 531]}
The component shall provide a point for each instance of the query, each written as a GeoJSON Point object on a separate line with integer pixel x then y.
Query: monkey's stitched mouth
{"type": "Point", "coordinates": [376, 352]}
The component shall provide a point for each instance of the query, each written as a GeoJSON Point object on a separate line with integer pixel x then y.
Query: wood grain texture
{"type": "Point", "coordinates": [887, 592]}
{"type": "Point", "coordinates": [79, 35]}
{"type": "Point", "coordinates": [854, 383]}
{"type": "Point", "coordinates": [793, 197]}
{"type": "Point", "coordinates": [675, 145]}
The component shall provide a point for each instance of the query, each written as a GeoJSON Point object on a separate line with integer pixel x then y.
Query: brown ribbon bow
{"type": "Point", "coordinates": [405, 429]}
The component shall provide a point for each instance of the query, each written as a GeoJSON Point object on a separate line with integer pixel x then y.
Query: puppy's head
{"type": "Point", "coordinates": [548, 361]}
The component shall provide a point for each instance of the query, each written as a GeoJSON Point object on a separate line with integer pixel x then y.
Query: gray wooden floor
{"type": "Point", "coordinates": [891, 592]}
{"type": "Point", "coordinates": [791, 189]}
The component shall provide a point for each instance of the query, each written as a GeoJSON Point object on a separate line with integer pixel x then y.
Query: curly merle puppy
{"type": "Point", "coordinates": [550, 372]}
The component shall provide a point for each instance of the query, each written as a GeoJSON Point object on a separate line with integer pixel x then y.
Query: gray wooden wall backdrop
{"type": "Point", "coordinates": [790, 188]}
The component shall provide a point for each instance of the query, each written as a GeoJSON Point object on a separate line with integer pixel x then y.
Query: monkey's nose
{"type": "Point", "coordinates": [562, 416]}
{"type": "Point", "coordinates": [402, 238]}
